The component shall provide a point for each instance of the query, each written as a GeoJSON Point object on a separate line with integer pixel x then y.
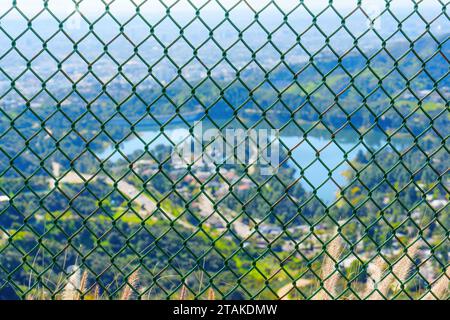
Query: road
{"type": "Point", "coordinates": [206, 208]}
{"type": "Point", "coordinates": [283, 293]}
{"type": "Point", "coordinates": [147, 205]}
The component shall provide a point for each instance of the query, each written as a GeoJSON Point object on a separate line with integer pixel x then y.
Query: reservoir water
{"type": "Point", "coordinates": [322, 159]}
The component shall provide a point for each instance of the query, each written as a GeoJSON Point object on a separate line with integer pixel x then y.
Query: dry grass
{"type": "Point", "coordinates": [70, 291]}
{"type": "Point", "coordinates": [402, 268]}
{"type": "Point", "coordinates": [329, 271]}
{"type": "Point", "coordinates": [131, 286]}
{"type": "Point", "coordinates": [284, 292]}
{"type": "Point", "coordinates": [82, 288]}
{"type": "Point", "coordinates": [440, 289]}
{"type": "Point", "coordinates": [382, 283]}
{"type": "Point", "coordinates": [183, 292]}
{"type": "Point", "coordinates": [375, 288]}
{"type": "Point", "coordinates": [211, 294]}
{"type": "Point", "coordinates": [96, 295]}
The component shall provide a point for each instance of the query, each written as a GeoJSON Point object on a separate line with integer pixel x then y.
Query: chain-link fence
{"type": "Point", "coordinates": [226, 149]}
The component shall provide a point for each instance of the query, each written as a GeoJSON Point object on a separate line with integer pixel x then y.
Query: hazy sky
{"type": "Point", "coordinates": [61, 7]}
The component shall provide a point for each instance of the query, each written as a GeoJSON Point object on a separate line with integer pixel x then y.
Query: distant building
{"type": "Point", "coordinates": [244, 187]}
{"type": "Point", "coordinates": [270, 230]}
{"type": "Point", "coordinates": [4, 199]}
{"type": "Point", "coordinates": [417, 215]}
{"type": "Point", "coordinates": [438, 204]}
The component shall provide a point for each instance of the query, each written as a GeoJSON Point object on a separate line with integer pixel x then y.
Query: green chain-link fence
{"type": "Point", "coordinates": [96, 95]}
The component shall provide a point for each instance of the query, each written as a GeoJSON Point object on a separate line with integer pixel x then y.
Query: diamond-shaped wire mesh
{"type": "Point", "coordinates": [95, 95]}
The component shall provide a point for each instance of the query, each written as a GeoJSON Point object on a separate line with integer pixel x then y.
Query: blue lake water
{"type": "Point", "coordinates": [317, 155]}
